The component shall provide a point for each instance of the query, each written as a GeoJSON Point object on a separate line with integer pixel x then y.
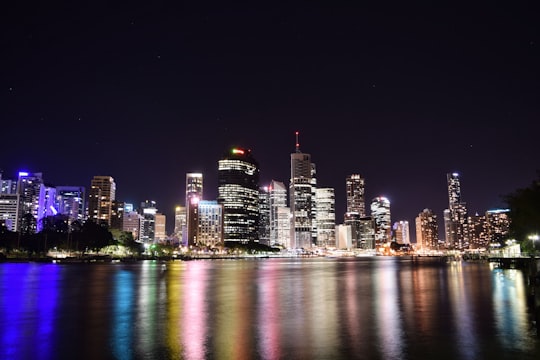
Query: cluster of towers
{"type": "Point", "coordinates": [300, 215]}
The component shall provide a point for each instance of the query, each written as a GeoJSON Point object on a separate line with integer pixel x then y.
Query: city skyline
{"type": "Point", "coordinates": [400, 95]}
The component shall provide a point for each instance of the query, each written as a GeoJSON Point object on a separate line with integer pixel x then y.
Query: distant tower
{"type": "Point", "coordinates": [380, 212]}
{"type": "Point", "coordinates": [455, 219]}
{"type": "Point", "coordinates": [301, 199]}
{"type": "Point", "coordinates": [102, 194]}
{"type": "Point", "coordinates": [238, 191]}
{"type": "Point", "coordinates": [427, 230]}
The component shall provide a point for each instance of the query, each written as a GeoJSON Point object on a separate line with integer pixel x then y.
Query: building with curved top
{"type": "Point", "coordinates": [238, 192]}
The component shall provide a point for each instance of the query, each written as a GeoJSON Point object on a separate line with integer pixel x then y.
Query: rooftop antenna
{"type": "Point", "coordinates": [297, 143]}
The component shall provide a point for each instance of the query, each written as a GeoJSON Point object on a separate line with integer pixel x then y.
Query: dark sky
{"type": "Point", "coordinates": [401, 94]}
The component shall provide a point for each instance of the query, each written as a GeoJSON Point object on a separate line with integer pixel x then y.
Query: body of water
{"type": "Point", "coordinates": [317, 308]}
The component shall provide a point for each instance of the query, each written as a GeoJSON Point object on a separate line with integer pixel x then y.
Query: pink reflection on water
{"type": "Point", "coordinates": [268, 312]}
{"type": "Point", "coordinates": [194, 315]}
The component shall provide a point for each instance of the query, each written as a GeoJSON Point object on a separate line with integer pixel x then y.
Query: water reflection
{"type": "Point", "coordinates": [509, 304]}
{"type": "Point", "coordinates": [386, 304]}
{"type": "Point", "coordinates": [264, 309]}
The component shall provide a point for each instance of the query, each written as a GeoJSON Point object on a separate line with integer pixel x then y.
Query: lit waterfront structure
{"type": "Point", "coordinates": [355, 190]}
{"type": "Point", "coordinates": [380, 212]}
{"type": "Point", "coordinates": [326, 217]}
{"type": "Point", "coordinates": [100, 197]}
{"type": "Point", "coordinates": [279, 214]}
{"type": "Point", "coordinates": [301, 199]}
{"type": "Point", "coordinates": [401, 232]}
{"type": "Point", "coordinates": [210, 223]}
{"type": "Point", "coordinates": [455, 217]}
{"type": "Point", "coordinates": [70, 201]}
{"type": "Point", "coordinates": [238, 191]}
{"type": "Point", "coordinates": [194, 194]}
{"type": "Point", "coordinates": [427, 231]}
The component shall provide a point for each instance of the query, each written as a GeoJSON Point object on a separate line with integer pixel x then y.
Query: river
{"type": "Point", "coordinates": [277, 308]}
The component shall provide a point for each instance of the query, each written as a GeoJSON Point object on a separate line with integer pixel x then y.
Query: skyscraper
{"type": "Point", "coordinates": [238, 191]}
{"type": "Point", "coordinates": [264, 215]}
{"type": "Point", "coordinates": [380, 212]}
{"type": "Point", "coordinates": [355, 190]}
{"type": "Point", "coordinates": [455, 219]}
{"type": "Point", "coordinates": [29, 189]}
{"type": "Point", "coordinates": [147, 230]}
{"type": "Point", "coordinates": [194, 194]}
{"type": "Point", "coordinates": [102, 194]}
{"type": "Point", "coordinates": [279, 215]}
{"type": "Point", "coordinates": [326, 217]}
{"type": "Point", "coordinates": [427, 231]}
{"type": "Point", "coordinates": [301, 199]}
{"type": "Point", "coordinates": [70, 201]}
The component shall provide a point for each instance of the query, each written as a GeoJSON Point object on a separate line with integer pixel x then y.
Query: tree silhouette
{"type": "Point", "coordinates": [524, 206]}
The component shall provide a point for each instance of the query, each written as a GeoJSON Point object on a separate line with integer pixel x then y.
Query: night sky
{"type": "Point", "coordinates": [401, 94]}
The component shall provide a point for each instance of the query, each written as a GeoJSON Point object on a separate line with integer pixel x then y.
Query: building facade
{"type": "Point", "coordinates": [238, 192]}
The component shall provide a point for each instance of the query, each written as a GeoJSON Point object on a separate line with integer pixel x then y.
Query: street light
{"type": "Point", "coordinates": [533, 239]}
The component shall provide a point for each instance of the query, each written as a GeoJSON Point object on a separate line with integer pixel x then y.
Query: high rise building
{"type": "Point", "coordinates": [264, 215]}
{"type": "Point", "coordinates": [301, 199]}
{"type": "Point", "coordinates": [355, 189]}
{"type": "Point", "coordinates": [160, 233]}
{"type": "Point", "coordinates": [279, 214]}
{"type": "Point", "coordinates": [498, 225]}
{"type": "Point", "coordinates": [147, 230]}
{"type": "Point", "coordinates": [477, 230]}
{"type": "Point", "coordinates": [352, 219]}
{"type": "Point", "coordinates": [180, 224]}
{"type": "Point", "coordinates": [401, 232]}
{"type": "Point", "coordinates": [70, 201]}
{"type": "Point", "coordinates": [380, 212]}
{"type": "Point", "coordinates": [238, 191]}
{"type": "Point", "coordinates": [29, 189]}
{"type": "Point", "coordinates": [455, 219]}
{"type": "Point", "coordinates": [427, 231]}
{"type": "Point", "coordinates": [132, 223]}
{"type": "Point", "coordinates": [118, 209]}
{"type": "Point", "coordinates": [9, 204]}
{"type": "Point", "coordinates": [367, 233]}
{"type": "Point", "coordinates": [210, 223]}
{"type": "Point", "coordinates": [100, 199]}
{"type": "Point", "coordinates": [326, 217]}
{"type": "Point", "coordinates": [194, 194]}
